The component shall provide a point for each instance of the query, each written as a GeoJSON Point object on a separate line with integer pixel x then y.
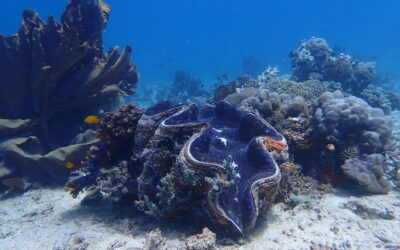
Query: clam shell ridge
{"type": "Point", "coordinates": [252, 178]}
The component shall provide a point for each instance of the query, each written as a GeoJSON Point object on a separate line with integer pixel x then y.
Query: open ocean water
{"type": "Point", "coordinates": [210, 38]}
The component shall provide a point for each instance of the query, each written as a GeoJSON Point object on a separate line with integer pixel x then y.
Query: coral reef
{"type": "Point", "coordinates": [223, 89]}
{"type": "Point", "coordinates": [367, 171]}
{"type": "Point", "coordinates": [237, 97]}
{"type": "Point", "coordinates": [117, 129]}
{"type": "Point", "coordinates": [392, 157]}
{"type": "Point", "coordinates": [309, 90]}
{"type": "Point", "coordinates": [325, 133]}
{"type": "Point", "coordinates": [217, 162]}
{"type": "Point", "coordinates": [52, 76]}
{"type": "Point", "coordinates": [313, 59]}
{"type": "Point", "coordinates": [345, 129]}
{"type": "Point", "coordinates": [350, 121]}
{"type": "Point", "coordinates": [96, 157]}
{"type": "Point", "coordinates": [296, 188]}
{"type": "Point", "coordinates": [115, 181]}
{"type": "Point", "coordinates": [290, 116]}
{"type": "Point", "coordinates": [379, 98]}
{"type": "Point", "coordinates": [265, 103]}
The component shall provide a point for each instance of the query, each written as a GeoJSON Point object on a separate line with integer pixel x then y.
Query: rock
{"type": "Point", "coordinates": [154, 240]}
{"type": "Point", "coordinates": [204, 241]}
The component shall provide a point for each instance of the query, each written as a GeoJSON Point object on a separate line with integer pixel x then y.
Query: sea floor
{"type": "Point", "coordinates": [52, 219]}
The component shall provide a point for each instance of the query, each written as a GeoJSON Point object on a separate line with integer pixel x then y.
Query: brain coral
{"type": "Point", "coordinates": [348, 121]}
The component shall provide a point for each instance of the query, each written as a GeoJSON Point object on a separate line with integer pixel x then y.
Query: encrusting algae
{"type": "Point", "coordinates": [273, 145]}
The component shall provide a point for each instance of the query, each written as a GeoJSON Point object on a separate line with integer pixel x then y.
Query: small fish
{"type": "Point", "coordinates": [330, 147]}
{"type": "Point", "coordinates": [92, 119]}
{"type": "Point", "coordinates": [294, 119]}
{"type": "Point", "coordinates": [69, 164]}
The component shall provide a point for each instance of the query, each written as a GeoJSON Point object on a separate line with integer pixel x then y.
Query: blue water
{"type": "Point", "coordinates": [209, 38]}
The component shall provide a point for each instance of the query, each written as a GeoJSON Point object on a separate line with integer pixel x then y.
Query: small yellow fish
{"type": "Point", "coordinates": [92, 119]}
{"type": "Point", "coordinates": [69, 164]}
{"type": "Point", "coordinates": [330, 147]}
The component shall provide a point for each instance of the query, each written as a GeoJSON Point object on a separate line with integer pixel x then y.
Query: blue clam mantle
{"type": "Point", "coordinates": [250, 182]}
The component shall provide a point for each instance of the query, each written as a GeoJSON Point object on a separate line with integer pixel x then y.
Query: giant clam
{"type": "Point", "coordinates": [253, 177]}
{"type": "Point", "coordinates": [233, 155]}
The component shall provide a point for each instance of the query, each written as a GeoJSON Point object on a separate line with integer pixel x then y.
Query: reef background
{"type": "Point", "coordinates": [209, 38]}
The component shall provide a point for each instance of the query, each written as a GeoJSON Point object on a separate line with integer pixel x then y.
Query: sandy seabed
{"type": "Point", "coordinates": [52, 219]}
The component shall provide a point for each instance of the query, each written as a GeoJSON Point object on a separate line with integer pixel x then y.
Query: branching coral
{"type": "Point", "coordinates": [313, 59]}
{"type": "Point", "coordinates": [297, 188]}
{"type": "Point", "coordinates": [55, 74]}
{"type": "Point", "coordinates": [117, 129]}
{"type": "Point", "coordinates": [85, 176]}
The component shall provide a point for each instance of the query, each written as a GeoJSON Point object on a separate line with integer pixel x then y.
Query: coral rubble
{"type": "Point", "coordinates": [52, 76]}
{"type": "Point", "coordinates": [204, 241]}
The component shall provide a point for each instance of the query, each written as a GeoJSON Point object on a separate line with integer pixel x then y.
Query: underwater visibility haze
{"type": "Point", "coordinates": [199, 124]}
